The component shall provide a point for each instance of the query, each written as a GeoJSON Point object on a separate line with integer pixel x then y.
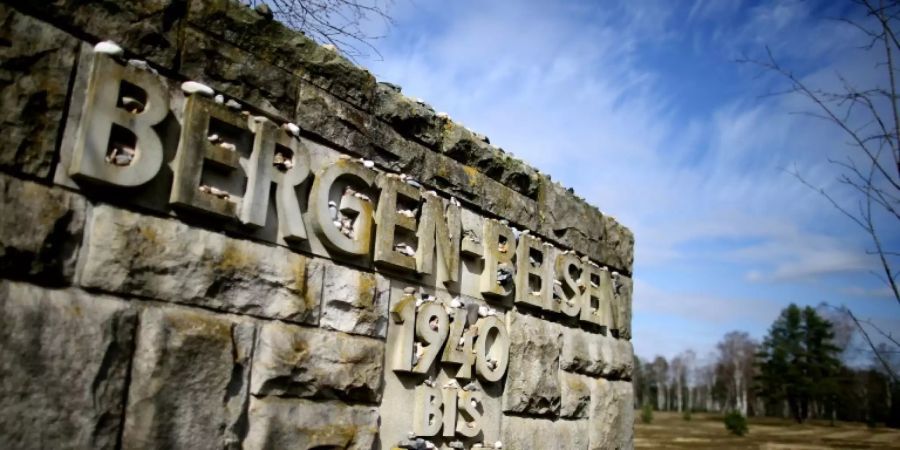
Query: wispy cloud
{"type": "Point", "coordinates": [859, 291]}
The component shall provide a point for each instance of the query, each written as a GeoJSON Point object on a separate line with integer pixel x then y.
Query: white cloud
{"type": "Point", "coordinates": [859, 291]}
{"type": "Point", "coordinates": [805, 257]}
{"type": "Point", "coordinates": [668, 322]}
{"type": "Point", "coordinates": [703, 307]}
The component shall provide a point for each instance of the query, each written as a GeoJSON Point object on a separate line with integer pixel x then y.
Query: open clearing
{"type": "Point", "coordinates": [706, 431]}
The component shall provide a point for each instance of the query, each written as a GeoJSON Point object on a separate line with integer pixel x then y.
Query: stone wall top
{"type": "Point", "coordinates": [283, 74]}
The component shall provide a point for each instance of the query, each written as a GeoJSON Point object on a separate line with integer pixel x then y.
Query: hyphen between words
{"type": "Point", "coordinates": [353, 208]}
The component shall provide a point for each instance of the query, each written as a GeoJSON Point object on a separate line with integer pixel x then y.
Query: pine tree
{"type": "Point", "coordinates": [823, 366]}
{"type": "Point", "coordinates": [798, 363]}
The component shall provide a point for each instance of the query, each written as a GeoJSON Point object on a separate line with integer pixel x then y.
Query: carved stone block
{"type": "Point", "coordinates": [37, 64]}
{"type": "Point", "coordinates": [575, 394]}
{"type": "Point", "coordinates": [64, 359]}
{"type": "Point", "coordinates": [188, 381]}
{"type": "Point", "coordinates": [171, 261]}
{"type": "Point", "coordinates": [40, 241]}
{"type": "Point", "coordinates": [147, 27]}
{"type": "Point", "coordinates": [276, 422]}
{"type": "Point", "coordinates": [354, 302]}
{"type": "Point", "coordinates": [532, 385]}
{"type": "Point", "coordinates": [596, 354]}
{"type": "Point", "coordinates": [611, 415]}
{"type": "Point", "coordinates": [624, 290]}
{"type": "Point", "coordinates": [302, 362]}
{"type": "Point", "coordinates": [523, 433]}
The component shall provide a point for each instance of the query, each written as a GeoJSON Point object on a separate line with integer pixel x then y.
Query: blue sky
{"type": "Point", "coordinates": [641, 108]}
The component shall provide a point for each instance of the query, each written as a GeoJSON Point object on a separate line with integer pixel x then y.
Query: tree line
{"type": "Point", "coordinates": [810, 365]}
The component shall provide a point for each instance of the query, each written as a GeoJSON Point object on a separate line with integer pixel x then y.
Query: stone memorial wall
{"type": "Point", "coordinates": [217, 234]}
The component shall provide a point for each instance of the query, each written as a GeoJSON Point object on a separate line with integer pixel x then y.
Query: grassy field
{"type": "Point", "coordinates": [706, 431]}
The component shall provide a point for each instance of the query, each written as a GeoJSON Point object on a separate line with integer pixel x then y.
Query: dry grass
{"type": "Point", "coordinates": [706, 431]}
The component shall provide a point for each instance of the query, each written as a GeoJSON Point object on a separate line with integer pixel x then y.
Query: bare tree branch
{"type": "Point", "coordinates": [341, 23]}
{"type": "Point", "coordinates": [887, 367]}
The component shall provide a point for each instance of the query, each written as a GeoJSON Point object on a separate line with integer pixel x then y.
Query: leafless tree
{"type": "Point", "coordinates": [660, 371]}
{"type": "Point", "coordinates": [681, 369]}
{"type": "Point", "coordinates": [677, 372]}
{"type": "Point", "coordinates": [869, 117]}
{"type": "Point", "coordinates": [707, 374]}
{"type": "Point", "coordinates": [737, 352]}
{"type": "Point", "coordinates": [689, 357]}
{"type": "Point", "coordinates": [341, 23]}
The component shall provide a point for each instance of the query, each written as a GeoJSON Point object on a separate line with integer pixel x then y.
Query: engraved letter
{"type": "Point", "coordinates": [449, 411]}
{"type": "Point", "coordinates": [469, 423]}
{"type": "Point", "coordinates": [433, 230]}
{"type": "Point", "coordinates": [388, 221]}
{"type": "Point", "coordinates": [101, 114]}
{"type": "Point", "coordinates": [259, 173]}
{"type": "Point", "coordinates": [496, 280]}
{"type": "Point", "coordinates": [491, 349]}
{"type": "Point", "coordinates": [195, 148]}
{"type": "Point", "coordinates": [290, 220]}
{"type": "Point", "coordinates": [432, 326]}
{"type": "Point", "coordinates": [534, 273]}
{"type": "Point", "coordinates": [428, 418]}
{"type": "Point", "coordinates": [567, 289]}
{"type": "Point", "coordinates": [358, 211]}
{"type": "Point", "coordinates": [596, 302]}
{"type": "Point", "coordinates": [458, 349]}
{"type": "Point", "coordinates": [402, 336]}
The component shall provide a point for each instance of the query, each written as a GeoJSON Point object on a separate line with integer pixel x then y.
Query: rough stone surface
{"type": "Point", "coordinates": [35, 66]}
{"type": "Point", "coordinates": [624, 357]}
{"type": "Point", "coordinates": [285, 48]}
{"type": "Point", "coordinates": [518, 209]}
{"type": "Point", "coordinates": [596, 354]}
{"type": "Point", "coordinates": [148, 28]}
{"type": "Point", "coordinates": [293, 423]}
{"type": "Point", "coordinates": [532, 381]}
{"type": "Point", "coordinates": [624, 292]}
{"type": "Point", "coordinates": [188, 375]}
{"type": "Point", "coordinates": [618, 245]}
{"type": "Point", "coordinates": [302, 362]}
{"type": "Point", "coordinates": [393, 151]}
{"type": "Point", "coordinates": [579, 353]}
{"type": "Point", "coordinates": [354, 302]}
{"type": "Point", "coordinates": [572, 222]}
{"type": "Point", "coordinates": [575, 393]}
{"type": "Point", "coordinates": [168, 260]}
{"type": "Point", "coordinates": [322, 114]}
{"type": "Point", "coordinates": [328, 117]}
{"type": "Point", "coordinates": [455, 179]}
{"type": "Point", "coordinates": [63, 365]}
{"type": "Point", "coordinates": [573, 434]}
{"type": "Point", "coordinates": [522, 433]}
{"type": "Point", "coordinates": [40, 241]}
{"type": "Point", "coordinates": [469, 148]}
{"type": "Point", "coordinates": [612, 415]}
{"type": "Point", "coordinates": [407, 116]}
{"type": "Point", "coordinates": [233, 71]}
